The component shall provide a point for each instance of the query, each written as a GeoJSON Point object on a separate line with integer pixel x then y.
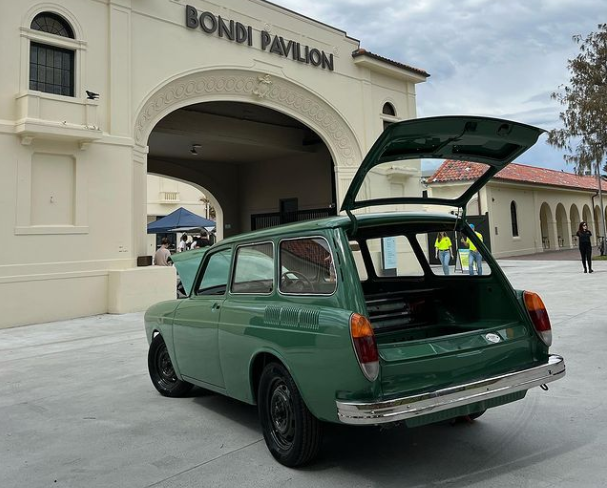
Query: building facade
{"type": "Point", "coordinates": [249, 102]}
{"type": "Point", "coordinates": [530, 209]}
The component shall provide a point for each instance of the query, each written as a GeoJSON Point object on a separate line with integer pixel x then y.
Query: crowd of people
{"type": "Point", "coordinates": [162, 257]}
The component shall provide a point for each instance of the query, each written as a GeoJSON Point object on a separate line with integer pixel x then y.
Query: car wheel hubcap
{"type": "Point", "coordinates": [165, 367]}
{"type": "Point", "coordinates": [281, 416]}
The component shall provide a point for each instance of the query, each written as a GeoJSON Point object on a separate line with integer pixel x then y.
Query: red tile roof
{"type": "Point", "coordinates": [452, 170]}
{"type": "Point", "coordinates": [364, 52]}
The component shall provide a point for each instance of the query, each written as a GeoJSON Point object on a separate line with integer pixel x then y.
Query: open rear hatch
{"type": "Point", "coordinates": [492, 142]}
{"type": "Point", "coordinates": [437, 331]}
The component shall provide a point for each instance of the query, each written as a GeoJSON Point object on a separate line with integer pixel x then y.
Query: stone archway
{"type": "Point", "coordinates": [592, 224]}
{"type": "Point", "coordinates": [272, 92]}
{"type": "Point", "coordinates": [548, 228]}
{"type": "Point", "coordinates": [574, 215]}
{"type": "Point", "coordinates": [251, 87]}
{"type": "Point", "coordinates": [598, 216]}
{"type": "Point", "coordinates": [563, 227]}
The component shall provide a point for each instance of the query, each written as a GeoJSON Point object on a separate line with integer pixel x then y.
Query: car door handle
{"type": "Point", "coordinates": [215, 306]}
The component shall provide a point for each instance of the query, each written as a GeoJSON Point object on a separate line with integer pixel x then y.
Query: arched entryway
{"type": "Point", "coordinates": [574, 214]}
{"type": "Point", "coordinates": [592, 224]}
{"type": "Point", "coordinates": [562, 227]}
{"type": "Point", "coordinates": [258, 143]}
{"type": "Point", "coordinates": [548, 228]}
{"type": "Point", "coordinates": [598, 221]}
{"type": "Point", "coordinates": [166, 195]}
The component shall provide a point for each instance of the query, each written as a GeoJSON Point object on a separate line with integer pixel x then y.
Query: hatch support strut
{"type": "Point", "coordinates": [354, 222]}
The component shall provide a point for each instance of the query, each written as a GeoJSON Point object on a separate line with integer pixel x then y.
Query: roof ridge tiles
{"type": "Point", "coordinates": [455, 170]}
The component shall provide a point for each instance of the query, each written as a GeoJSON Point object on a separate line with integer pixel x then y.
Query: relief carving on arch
{"type": "Point", "coordinates": [275, 91]}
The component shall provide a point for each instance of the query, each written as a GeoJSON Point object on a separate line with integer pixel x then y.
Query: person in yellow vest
{"type": "Point", "coordinates": [444, 251]}
{"type": "Point", "coordinates": [475, 256]}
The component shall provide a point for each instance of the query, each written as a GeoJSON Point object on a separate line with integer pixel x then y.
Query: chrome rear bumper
{"type": "Point", "coordinates": [363, 413]}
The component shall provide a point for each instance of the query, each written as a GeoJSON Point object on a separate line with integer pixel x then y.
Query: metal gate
{"type": "Point", "coordinates": [263, 221]}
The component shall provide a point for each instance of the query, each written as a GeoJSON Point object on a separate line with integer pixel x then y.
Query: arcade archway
{"type": "Point", "coordinates": [259, 145]}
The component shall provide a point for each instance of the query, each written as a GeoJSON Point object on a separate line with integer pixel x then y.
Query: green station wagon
{"type": "Point", "coordinates": [348, 319]}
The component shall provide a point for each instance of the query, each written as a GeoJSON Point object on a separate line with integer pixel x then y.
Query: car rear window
{"type": "Point", "coordinates": [307, 266]}
{"type": "Point", "coordinates": [394, 256]}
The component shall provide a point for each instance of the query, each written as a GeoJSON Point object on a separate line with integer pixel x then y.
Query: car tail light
{"type": "Point", "coordinates": [365, 346]}
{"type": "Point", "coordinates": [539, 316]}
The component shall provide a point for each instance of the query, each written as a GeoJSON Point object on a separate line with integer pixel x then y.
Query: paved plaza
{"type": "Point", "coordinates": [77, 409]}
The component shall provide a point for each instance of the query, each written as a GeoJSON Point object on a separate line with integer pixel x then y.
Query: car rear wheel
{"type": "Point", "coordinates": [474, 416]}
{"type": "Point", "coordinates": [291, 432]}
{"type": "Point", "coordinates": [162, 372]}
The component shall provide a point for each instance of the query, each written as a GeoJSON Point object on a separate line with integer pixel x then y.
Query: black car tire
{"type": "Point", "coordinates": [474, 416]}
{"type": "Point", "coordinates": [162, 372]}
{"type": "Point", "coordinates": [292, 433]}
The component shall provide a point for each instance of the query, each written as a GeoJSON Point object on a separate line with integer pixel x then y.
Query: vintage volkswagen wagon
{"type": "Point", "coordinates": [348, 319]}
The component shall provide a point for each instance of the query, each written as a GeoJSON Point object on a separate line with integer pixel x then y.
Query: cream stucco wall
{"type": "Point", "coordinates": [547, 216]}
{"type": "Point", "coordinates": [74, 171]}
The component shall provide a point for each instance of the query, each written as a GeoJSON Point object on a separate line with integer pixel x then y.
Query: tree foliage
{"type": "Point", "coordinates": [584, 134]}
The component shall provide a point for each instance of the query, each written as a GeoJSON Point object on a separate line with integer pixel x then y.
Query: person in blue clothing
{"type": "Point", "coordinates": [475, 255]}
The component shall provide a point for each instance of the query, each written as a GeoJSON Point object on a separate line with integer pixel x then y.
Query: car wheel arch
{"type": "Point", "coordinates": [170, 348]}
{"type": "Point", "coordinates": [257, 365]}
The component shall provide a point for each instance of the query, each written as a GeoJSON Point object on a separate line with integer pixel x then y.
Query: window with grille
{"type": "Point", "coordinates": [52, 67]}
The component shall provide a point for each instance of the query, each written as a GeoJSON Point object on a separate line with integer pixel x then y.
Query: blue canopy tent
{"type": "Point", "coordinates": [180, 218]}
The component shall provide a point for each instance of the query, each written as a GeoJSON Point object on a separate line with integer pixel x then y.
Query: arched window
{"type": "Point", "coordinates": [388, 110]}
{"type": "Point", "coordinates": [53, 24]}
{"type": "Point", "coordinates": [52, 67]}
{"type": "Point", "coordinates": [514, 219]}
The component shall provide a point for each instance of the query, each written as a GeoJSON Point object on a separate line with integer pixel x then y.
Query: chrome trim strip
{"type": "Point", "coordinates": [363, 413]}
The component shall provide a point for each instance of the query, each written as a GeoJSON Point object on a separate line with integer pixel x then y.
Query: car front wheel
{"type": "Point", "coordinates": [291, 432]}
{"type": "Point", "coordinates": [162, 372]}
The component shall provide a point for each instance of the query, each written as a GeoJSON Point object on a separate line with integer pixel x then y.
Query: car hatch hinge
{"type": "Point", "coordinates": [354, 223]}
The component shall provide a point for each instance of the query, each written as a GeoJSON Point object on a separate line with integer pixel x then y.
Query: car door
{"type": "Point", "coordinates": [195, 329]}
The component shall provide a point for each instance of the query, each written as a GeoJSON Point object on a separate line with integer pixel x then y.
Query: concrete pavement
{"type": "Point", "coordinates": [77, 409]}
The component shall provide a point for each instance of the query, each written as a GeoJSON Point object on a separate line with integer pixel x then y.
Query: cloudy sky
{"type": "Point", "coordinates": [500, 58]}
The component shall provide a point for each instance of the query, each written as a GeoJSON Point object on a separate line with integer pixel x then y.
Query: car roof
{"type": "Point", "coordinates": [339, 221]}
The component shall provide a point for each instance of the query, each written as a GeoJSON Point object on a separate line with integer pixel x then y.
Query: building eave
{"type": "Point", "coordinates": [374, 62]}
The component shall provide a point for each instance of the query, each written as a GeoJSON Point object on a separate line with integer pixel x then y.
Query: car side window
{"type": "Point", "coordinates": [307, 267]}
{"type": "Point", "coordinates": [254, 269]}
{"type": "Point", "coordinates": [214, 280]}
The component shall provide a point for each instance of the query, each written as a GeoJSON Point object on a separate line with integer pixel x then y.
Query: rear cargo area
{"type": "Point", "coordinates": [432, 337]}
{"type": "Point", "coordinates": [416, 313]}
{"type": "Point", "coordinates": [435, 330]}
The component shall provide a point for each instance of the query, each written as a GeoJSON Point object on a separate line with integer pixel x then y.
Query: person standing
{"type": "Point", "coordinates": [583, 237]}
{"type": "Point", "coordinates": [183, 243]}
{"type": "Point", "coordinates": [163, 255]}
{"type": "Point", "coordinates": [444, 251]}
{"type": "Point", "coordinates": [475, 255]}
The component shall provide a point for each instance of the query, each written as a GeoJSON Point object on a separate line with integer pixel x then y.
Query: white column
{"type": "Point", "coordinates": [567, 238]}
{"type": "Point", "coordinates": [553, 235]}
{"type": "Point", "coordinates": [119, 98]}
{"type": "Point", "coordinates": [139, 201]}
